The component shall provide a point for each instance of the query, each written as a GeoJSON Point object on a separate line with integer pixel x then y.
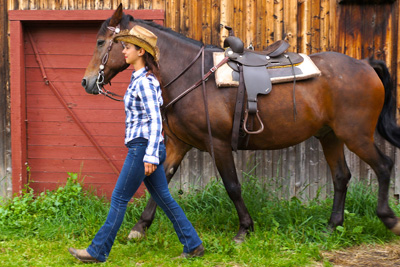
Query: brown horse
{"type": "Point", "coordinates": [341, 107]}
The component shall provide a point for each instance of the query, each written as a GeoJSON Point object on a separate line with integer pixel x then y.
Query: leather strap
{"type": "Point", "coordinates": [197, 84]}
{"type": "Point", "coordinates": [238, 114]}
{"type": "Point", "coordinates": [191, 63]}
{"type": "Point", "coordinates": [208, 116]}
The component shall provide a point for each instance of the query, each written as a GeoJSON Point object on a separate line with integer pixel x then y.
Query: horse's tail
{"type": "Point", "coordinates": [387, 126]}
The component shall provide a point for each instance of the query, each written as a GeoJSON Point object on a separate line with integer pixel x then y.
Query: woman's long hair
{"type": "Point", "coordinates": [151, 65]}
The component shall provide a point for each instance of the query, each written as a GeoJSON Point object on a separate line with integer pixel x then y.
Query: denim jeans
{"type": "Point", "coordinates": [129, 180]}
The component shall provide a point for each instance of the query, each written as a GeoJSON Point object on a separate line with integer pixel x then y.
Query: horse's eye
{"type": "Point", "coordinates": [100, 42]}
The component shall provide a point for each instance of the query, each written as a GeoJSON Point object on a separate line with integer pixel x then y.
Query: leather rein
{"type": "Point", "coordinates": [202, 82]}
{"type": "Point", "coordinates": [199, 82]}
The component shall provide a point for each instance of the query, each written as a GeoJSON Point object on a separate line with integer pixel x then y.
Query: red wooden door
{"type": "Point", "coordinates": [55, 144]}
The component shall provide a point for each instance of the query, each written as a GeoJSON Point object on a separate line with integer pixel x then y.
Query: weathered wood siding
{"type": "Point", "coordinates": [309, 26]}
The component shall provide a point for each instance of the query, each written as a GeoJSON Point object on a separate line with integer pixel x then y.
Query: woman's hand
{"type": "Point", "coordinates": [149, 168]}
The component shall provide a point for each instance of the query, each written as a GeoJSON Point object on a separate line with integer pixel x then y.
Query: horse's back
{"type": "Point", "coordinates": [352, 84]}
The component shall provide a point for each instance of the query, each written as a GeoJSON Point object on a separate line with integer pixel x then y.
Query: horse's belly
{"type": "Point", "coordinates": [282, 126]}
{"type": "Point", "coordinates": [270, 140]}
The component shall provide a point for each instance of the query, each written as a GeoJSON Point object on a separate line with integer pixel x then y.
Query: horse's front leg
{"type": "Point", "coordinates": [176, 150]}
{"type": "Point", "coordinates": [226, 167]}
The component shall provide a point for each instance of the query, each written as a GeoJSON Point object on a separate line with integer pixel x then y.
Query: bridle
{"type": "Point", "coordinates": [100, 78]}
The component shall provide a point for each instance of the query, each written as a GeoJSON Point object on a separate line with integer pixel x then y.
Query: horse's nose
{"type": "Point", "coordinates": [84, 83]}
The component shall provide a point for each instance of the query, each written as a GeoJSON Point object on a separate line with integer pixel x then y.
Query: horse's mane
{"type": "Point", "coordinates": [128, 18]}
{"type": "Point", "coordinates": [170, 31]}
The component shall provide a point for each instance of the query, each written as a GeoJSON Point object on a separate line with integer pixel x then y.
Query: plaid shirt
{"type": "Point", "coordinates": [142, 108]}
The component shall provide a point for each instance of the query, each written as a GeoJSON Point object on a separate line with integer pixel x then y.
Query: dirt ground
{"type": "Point", "coordinates": [366, 255]}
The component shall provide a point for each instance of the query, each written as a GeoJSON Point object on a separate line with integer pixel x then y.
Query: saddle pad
{"type": "Point", "coordinates": [225, 76]}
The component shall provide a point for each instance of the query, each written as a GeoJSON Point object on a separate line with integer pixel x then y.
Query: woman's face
{"type": "Point", "coordinates": [132, 55]}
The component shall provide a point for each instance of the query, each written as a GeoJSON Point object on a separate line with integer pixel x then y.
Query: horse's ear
{"type": "Point", "coordinates": [116, 17]}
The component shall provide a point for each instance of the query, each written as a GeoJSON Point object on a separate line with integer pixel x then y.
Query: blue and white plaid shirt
{"type": "Point", "coordinates": [143, 117]}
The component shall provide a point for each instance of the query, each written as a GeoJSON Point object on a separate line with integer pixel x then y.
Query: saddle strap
{"type": "Point", "coordinates": [238, 114]}
{"type": "Point", "coordinates": [210, 137]}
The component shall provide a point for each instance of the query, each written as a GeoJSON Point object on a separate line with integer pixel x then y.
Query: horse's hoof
{"type": "Point", "coordinates": [135, 235]}
{"type": "Point", "coordinates": [396, 229]}
{"type": "Point", "coordinates": [239, 238]}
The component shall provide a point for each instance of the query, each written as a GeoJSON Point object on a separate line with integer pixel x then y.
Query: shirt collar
{"type": "Point", "coordinates": [138, 73]}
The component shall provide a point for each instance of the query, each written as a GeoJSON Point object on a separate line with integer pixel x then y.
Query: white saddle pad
{"type": "Point", "coordinates": [224, 74]}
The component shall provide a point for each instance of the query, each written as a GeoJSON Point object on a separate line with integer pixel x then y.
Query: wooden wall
{"type": "Point", "coordinates": [310, 26]}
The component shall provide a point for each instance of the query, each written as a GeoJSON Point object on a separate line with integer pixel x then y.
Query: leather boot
{"type": "Point", "coordinates": [82, 255]}
{"type": "Point", "coordinates": [197, 252]}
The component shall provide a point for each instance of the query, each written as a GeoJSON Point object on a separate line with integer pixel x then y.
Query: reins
{"type": "Point", "coordinates": [202, 82]}
{"type": "Point", "coordinates": [188, 67]}
{"type": "Point", "coordinates": [198, 83]}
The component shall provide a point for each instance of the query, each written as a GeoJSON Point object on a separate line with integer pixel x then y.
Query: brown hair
{"type": "Point", "coordinates": [151, 65]}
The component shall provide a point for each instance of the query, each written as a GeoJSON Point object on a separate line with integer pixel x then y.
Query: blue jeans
{"type": "Point", "coordinates": [129, 180]}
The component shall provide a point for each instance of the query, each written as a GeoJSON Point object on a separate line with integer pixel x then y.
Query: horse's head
{"type": "Point", "coordinates": [107, 59]}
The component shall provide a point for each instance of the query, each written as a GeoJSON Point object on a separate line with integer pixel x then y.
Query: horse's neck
{"type": "Point", "coordinates": [176, 52]}
{"type": "Point", "coordinates": [175, 55]}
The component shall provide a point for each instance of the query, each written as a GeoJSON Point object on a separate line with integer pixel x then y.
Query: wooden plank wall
{"type": "Point", "coordinates": [310, 26]}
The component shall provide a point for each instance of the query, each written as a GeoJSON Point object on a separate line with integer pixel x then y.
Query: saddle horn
{"type": "Point", "coordinates": [235, 44]}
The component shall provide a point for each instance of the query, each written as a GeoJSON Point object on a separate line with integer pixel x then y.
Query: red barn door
{"type": "Point", "coordinates": [76, 132]}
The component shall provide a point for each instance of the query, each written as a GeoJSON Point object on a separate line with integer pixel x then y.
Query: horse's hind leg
{"type": "Point", "coordinates": [334, 154]}
{"type": "Point", "coordinates": [365, 148]}
{"type": "Point", "coordinates": [176, 150]}
{"type": "Point", "coordinates": [226, 167]}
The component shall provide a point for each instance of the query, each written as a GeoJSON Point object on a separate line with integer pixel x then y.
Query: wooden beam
{"type": "Point", "coordinates": [5, 163]}
{"type": "Point", "coordinates": [290, 13]}
{"type": "Point", "coordinates": [278, 20]}
{"type": "Point", "coordinates": [18, 104]}
{"type": "Point", "coordinates": [80, 15]}
{"type": "Point", "coordinates": [226, 19]}
{"type": "Point", "coordinates": [396, 39]}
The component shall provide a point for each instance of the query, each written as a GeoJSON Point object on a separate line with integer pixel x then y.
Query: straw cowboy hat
{"type": "Point", "coordinates": [140, 36]}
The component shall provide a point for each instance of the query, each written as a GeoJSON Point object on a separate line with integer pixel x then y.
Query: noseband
{"type": "Point", "coordinates": [100, 78]}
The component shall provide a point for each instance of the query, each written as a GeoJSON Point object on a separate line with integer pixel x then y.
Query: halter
{"type": "Point", "coordinates": [100, 78]}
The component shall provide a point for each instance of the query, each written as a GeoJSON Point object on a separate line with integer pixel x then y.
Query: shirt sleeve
{"type": "Point", "coordinates": [148, 92]}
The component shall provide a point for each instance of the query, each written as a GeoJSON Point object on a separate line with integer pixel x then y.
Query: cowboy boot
{"type": "Point", "coordinates": [82, 255]}
{"type": "Point", "coordinates": [197, 252]}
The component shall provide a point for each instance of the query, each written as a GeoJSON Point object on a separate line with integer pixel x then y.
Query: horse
{"type": "Point", "coordinates": [343, 106]}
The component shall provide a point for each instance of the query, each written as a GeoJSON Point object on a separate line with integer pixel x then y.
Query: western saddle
{"type": "Point", "coordinates": [254, 78]}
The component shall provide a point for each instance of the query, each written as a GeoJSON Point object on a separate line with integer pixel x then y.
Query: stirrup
{"type": "Point", "coordinates": [246, 116]}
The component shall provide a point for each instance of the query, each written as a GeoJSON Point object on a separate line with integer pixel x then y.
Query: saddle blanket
{"type": "Point", "coordinates": [225, 76]}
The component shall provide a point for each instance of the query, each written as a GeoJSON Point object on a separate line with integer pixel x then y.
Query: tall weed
{"type": "Point", "coordinates": [66, 210]}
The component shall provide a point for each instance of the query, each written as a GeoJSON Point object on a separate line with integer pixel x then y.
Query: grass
{"type": "Point", "coordinates": [37, 230]}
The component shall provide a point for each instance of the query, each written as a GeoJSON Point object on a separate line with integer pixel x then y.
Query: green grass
{"type": "Point", "coordinates": [37, 230]}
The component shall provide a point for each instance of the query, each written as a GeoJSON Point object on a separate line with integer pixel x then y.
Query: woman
{"type": "Point", "coordinates": [146, 151]}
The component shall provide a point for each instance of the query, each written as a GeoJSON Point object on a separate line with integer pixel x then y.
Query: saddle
{"type": "Point", "coordinates": [256, 65]}
{"type": "Point", "coordinates": [254, 71]}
